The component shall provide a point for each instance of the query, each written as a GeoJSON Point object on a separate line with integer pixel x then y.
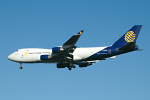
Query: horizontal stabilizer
{"type": "Point", "coordinates": [113, 57]}
{"type": "Point", "coordinates": [140, 49]}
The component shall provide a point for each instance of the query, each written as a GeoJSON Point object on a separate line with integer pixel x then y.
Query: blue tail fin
{"type": "Point", "coordinates": [128, 37]}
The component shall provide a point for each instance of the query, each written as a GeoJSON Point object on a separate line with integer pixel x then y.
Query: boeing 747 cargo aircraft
{"type": "Point", "coordinates": [68, 55]}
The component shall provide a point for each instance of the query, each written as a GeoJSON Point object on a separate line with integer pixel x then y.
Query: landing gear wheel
{"type": "Point", "coordinates": [69, 68]}
{"type": "Point", "coordinates": [20, 66]}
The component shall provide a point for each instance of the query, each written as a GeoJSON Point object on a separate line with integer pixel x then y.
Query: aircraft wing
{"type": "Point", "coordinates": [65, 51]}
{"type": "Point", "coordinates": [70, 44]}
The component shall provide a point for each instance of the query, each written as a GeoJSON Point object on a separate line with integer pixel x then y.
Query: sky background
{"type": "Point", "coordinates": [50, 23]}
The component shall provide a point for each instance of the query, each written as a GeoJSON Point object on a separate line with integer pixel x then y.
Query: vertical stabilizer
{"type": "Point", "coordinates": [129, 36]}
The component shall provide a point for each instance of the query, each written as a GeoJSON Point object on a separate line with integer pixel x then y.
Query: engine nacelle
{"type": "Point", "coordinates": [45, 57]}
{"type": "Point", "coordinates": [61, 65]}
{"type": "Point", "coordinates": [57, 49]}
{"type": "Point", "coordinates": [85, 64]}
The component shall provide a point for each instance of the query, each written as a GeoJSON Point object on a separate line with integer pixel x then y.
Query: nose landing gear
{"type": "Point", "coordinates": [20, 66]}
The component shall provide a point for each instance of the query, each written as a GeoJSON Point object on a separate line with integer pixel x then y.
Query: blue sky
{"type": "Point", "coordinates": [49, 23]}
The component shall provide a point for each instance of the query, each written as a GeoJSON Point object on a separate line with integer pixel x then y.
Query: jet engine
{"type": "Point", "coordinates": [84, 64]}
{"type": "Point", "coordinates": [57, 49]}
{"type": "Point", "coordinates": [45, 57]}
{"type": "Point", "coordinates": [61, 65]}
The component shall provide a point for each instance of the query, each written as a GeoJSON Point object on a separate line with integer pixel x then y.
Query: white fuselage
{"type": "Point", "coordinates": [32, 55]}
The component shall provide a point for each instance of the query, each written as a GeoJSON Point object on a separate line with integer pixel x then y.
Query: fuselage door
{"type": "Point", "coordinates": [109, 51]}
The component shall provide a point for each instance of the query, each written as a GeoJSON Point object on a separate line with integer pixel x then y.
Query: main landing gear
{"type": "Point", "coordinates": [20, 66]}
{"type": "Point", "coordinates": [70, 66]}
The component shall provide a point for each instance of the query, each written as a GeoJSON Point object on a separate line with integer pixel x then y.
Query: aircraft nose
{"type": "Point", "coordinates": [10, 57]}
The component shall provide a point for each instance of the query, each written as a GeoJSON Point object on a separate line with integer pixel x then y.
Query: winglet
{"type": "Point", "coordinates": [80, 32]}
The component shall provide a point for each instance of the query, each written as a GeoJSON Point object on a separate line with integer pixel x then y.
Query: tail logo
{"type": "Point", "coordinates": [130, 36]}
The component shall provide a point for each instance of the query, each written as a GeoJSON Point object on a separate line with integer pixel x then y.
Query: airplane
{"type": "Point", "coordinates": [68, 55]}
